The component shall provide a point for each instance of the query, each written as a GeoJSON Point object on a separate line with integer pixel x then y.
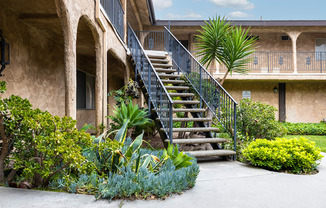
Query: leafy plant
{"type": "Point", "coordinates": [228, 45]}
{"type": "Point", "coordinates": [126, 93]}
{"type": "Point", "coordinates": [38, 144]}
{"type": "Point", "coordinates": [305, 128]}
{"type": "Point", "coordinates": [180, 160]}
{"type": "Point", "coordinates": [130, 114]}
{"type": "Point", "coordinates": [112, 156]}
{"type": "Point", "coordinates": [257, 120]}
{"type": "Point", "coordinates": [293, 155]}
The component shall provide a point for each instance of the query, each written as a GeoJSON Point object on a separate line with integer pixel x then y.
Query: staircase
{"type": "Point", "coordinates": [170, 92]}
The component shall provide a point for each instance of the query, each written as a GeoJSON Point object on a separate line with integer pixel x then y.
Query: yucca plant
{"type": "Point", "coordinates": [228, 45]}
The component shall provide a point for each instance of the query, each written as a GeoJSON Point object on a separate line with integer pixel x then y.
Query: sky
{"type": "Point", "coordinates": [241, 9]}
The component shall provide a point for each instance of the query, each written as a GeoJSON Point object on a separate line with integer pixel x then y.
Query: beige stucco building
{"type": "Point", "coordinates": [288, 69]}
{"type": "Point", "coordinates": [65, 56]}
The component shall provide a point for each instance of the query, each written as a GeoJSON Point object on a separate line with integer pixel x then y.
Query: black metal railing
{"type": "Point", "coordinates": [114, 10]}
{"type": "Point", "coordinates": [151, 40]}
{"type": "Point", "coordinates": [210, 92]}
{"type": "Point", "coordinates": [158, 97]}
{"type": "Point", "coordinates": [265, 62]}
{"type": "Point", "coordinates": [269, 62]}
{"type": "Point", "coordinates": [282, 62]}
{"type": "Point", "coordinates": [311, 62]}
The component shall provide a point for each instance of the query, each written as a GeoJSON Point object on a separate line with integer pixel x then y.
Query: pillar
{"type": "Point", "coordinates": [294, 36]}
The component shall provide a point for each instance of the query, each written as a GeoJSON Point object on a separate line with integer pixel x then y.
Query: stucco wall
{"type": "Point", "coordinates": [85, 117]}
{"type": "Point", "coordinates": [305, 101]}
{"type": "Point", "coordinates": [306, 41]}
{"type": "Point", "coordinates": [36, 71]}
{"type": "Point", "coordinates": [260, 91]}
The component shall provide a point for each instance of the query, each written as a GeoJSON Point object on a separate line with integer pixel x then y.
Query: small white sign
{"type": "Point", "coordinates": [246, 94]}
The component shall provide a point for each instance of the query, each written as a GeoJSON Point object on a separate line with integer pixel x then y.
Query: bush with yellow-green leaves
{"type": "Point", "coordinates": [297, 155]}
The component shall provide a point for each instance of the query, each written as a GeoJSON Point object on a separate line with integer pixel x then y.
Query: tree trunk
{"type": "Point", "coordinates": [226, 74]}
{"type": "Point", "coordinates": [4, 150]}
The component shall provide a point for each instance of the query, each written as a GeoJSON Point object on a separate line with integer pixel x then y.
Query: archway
{"type": "Point", "coordinates": [86, 74]}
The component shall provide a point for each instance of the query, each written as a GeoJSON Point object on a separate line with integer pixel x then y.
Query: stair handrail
{"type": "Point", "coordinates": [217, 85]}
{"type": "Point", "coordinates": [200, 65]}
{"type": "Point", "coordinates": [168, 130]}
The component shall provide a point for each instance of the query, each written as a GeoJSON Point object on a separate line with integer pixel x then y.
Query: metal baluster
{"type": "Point", "coordinates": [235, 128]}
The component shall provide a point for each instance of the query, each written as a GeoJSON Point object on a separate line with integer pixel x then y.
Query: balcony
{"type": "Point", "coordinates": [114, 11]}
{"type": "Point", "coordinates": [283, 62]}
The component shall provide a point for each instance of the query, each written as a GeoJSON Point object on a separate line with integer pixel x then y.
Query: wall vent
{"type": "Point", "coordinates": [285, 37]}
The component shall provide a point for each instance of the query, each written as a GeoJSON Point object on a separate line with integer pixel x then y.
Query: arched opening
{"type": "Point", "coordinates": [36, 71]}
{"type": "Point", "coordinates": [86, 73]}
{"type": "Point", "coordinates": [116, 77]}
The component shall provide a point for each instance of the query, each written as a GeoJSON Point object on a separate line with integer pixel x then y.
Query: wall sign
{"type": "Point", "coordinates": [246, 94]}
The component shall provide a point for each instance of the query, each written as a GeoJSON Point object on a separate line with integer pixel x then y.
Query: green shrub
{"type": "Point", "coordinates": [257, 120]}
{"type": "Point", "coordinates": [39, 145]}
{"type": "Point", "coordinates": [126, 93]}
{"type": "Point", "coordinates": [305, 128]}
{"type": "Point", "coordinates": [296, 155]}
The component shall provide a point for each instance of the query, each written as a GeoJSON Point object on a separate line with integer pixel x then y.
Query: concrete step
{"type": "Point", "coordinates": [162, 65]}
{"type": "Point", "coordinates": [177, 87]}
{"type": "Point", "coordinates": [191, 119]}
{"type": "Point", "coordinates": [181, 94]}
{"type": "Point", "coordinates": [186, 102]}
{"type": "Point", "coordinates": [170, 81]}
{"type": "Point", "coordinates": [197, 140]}
{"type": "Point", "coordinates": [187, 119]}
{"type": "Point", "coordinates": [169, 75]}
{"type": "Point", "coordinates": [156, 54]}
{"type": "Point", "coordinates": [161, 70]}
{"type": "Point", "coordinates": [189, 110]}
{"type": "Point", "coordinates": [154, 60]}
{"type": "Point", "coordinates": [210, 153]}
{"type": "Point", "coordinates": [197, 129]}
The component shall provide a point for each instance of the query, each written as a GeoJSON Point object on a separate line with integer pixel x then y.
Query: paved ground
{"type": "Point", "coordinates": [220, 184]}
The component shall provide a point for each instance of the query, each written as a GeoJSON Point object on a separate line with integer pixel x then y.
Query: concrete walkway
{"type": "Point", "coordinates": [220, 184]}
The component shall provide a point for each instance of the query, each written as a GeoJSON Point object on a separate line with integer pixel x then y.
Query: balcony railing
{"type": "Point", "coordinates": [311, 62]}
{"type": "Point", "coordinates": [283, 62]}
{"type": "Point", "coordinates": [114, 10]}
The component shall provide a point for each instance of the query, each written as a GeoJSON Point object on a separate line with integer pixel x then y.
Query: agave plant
{"type": "Point", "coordinates": [130, 114]}
{"type": "Point", "coordinates": [113, 155]}
{"type": "Point", "coordinates": [226, 44]}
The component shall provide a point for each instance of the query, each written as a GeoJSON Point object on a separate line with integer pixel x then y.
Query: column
{"type": "Point", "coordinates": [294, 36]}
{"type": "Point", "coordinates": [98, 85]}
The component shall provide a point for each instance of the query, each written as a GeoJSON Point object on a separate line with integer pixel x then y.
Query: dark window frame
{"type": "Point", "coordinates": [85, 93]}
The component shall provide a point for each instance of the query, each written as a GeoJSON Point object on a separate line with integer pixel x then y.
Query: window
{"type": "Point", "coordinates": [320, 49]}
{"type": "Point", "coordinates": [85, 91]}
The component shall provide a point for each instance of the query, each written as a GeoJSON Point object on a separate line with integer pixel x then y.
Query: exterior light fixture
{"type": "Point", "coordinates": [275, 90]}
{"type": "Point", "coordinates": [4, 53]}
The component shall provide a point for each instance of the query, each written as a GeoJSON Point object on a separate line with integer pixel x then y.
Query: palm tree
{"type": "Point", "coordinates": [228, 45]}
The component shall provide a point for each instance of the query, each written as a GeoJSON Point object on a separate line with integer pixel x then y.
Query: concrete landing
{"type": "Point", "coordinates": [220, 184]}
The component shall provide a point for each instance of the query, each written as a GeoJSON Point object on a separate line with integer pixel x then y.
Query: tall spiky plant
{"type": "Point", "coordinates": [226, 44]}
